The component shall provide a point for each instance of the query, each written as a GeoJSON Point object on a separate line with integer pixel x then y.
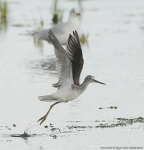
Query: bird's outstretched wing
{"type": "Point", "coordinates": [63, 63]}
{"type": "Point", "coordinates": [74, 52]}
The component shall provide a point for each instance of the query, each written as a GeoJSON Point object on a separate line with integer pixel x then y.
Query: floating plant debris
{"type": "Point", "coordinates": [121, 122]}
{"type": "Point", "coordinates": [72, 127]}
{"type": "Point", "coordinates": [51, 125]}
{"type": "Point", "coordinates": [54, 136]}
{"type": "Point", "coordinates": [111, 107]}
{"type": "Point", "coordinates": [46, 126]}
{"type": "Point", "coordinates": [54, 129]}
{"type": "Point", "coordinates": [56, 132]}
{"type": "Point", "coordinates": [14, 125]}
{"type": "Point", "coordinates": [132, 120]}
{"type": "Point", "coordinates": [101, 108]}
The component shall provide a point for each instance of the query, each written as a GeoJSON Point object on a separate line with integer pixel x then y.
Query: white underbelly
{"type": "Point", "coordinates": [66, 95]}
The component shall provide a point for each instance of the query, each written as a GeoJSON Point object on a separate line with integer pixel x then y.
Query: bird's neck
{"type": "Point", "coordinates": [84, 85]}
{"type": "Point", "coordinates": [73, 19]}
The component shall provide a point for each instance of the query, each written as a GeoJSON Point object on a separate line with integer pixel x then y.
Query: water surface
{"type": "Point", "coordinates": [114, 56]}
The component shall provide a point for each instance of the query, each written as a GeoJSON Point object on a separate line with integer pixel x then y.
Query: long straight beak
{"type": "Point", "coordinates": [99, 82]}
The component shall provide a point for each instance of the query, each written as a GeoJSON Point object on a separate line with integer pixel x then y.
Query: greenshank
{"type": "Point", "coordinates": [69, 65]}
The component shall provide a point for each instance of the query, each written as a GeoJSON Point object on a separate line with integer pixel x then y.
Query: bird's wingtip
{"type": "Point", "coordinates": [49, 32]}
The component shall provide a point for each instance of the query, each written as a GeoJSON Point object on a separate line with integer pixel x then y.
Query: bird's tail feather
{"type": "Point", "coordinates": [46, 98]}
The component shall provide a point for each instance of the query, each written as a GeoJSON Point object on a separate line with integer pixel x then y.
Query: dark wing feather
{"type": "Point", "coordinates": [75, 55]}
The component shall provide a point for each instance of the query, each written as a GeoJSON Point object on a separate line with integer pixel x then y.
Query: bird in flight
{"type": "Point", "coordinates": [69, 65]}
{"type": "Point", "coordinates": [61, 30]}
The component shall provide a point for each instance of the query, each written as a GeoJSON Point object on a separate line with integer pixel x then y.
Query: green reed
{"type": "Point", "coordinates": [3, 9]}
{"type": "Point", "coordinates": [57, 13]}
{"type": "Point", "coordinates": [84, 38]}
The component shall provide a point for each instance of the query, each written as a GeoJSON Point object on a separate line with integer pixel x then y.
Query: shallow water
{"type": "Point", "coordinates": [114, 55]}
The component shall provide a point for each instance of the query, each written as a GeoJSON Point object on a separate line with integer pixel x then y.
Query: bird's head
{"type": "Point", "coordinates": [91, 79]}
{"type": "Point", "coordinates": [74, 12]}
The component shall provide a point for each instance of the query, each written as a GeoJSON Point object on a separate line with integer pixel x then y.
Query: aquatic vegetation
{"type": "Point", "coordinates": [57, 13]}
{"type": "Point", "coordinates": [110, 125]}
{"type": "Point", "coordinates": [140, 118]}
{"type": "Point", "coordinates": [75, 127]}
{"type": "Point", "coordinates": [54, 136]}
{"type": "Point", "coordinates": [100, 108]}
{"type": "Point", "coordinates": [3, 9]}
{"type": "Point", "coordinates": [84, 38]}
{"type": "Point", "coordinates": [40, 25]}
{"type": "Point", "coordinates": [121, 122]}
{"type": "Point", "coordinates": [14, 125]}
{"type": "Point", "coordinates": [132, 120]}
{"type": "Point", "coordinates": [111, 107]}
{"type": "Point", "coordinates": [54, 129]}
{"type": "Point", "coordinates": [81, 127]}
{"type": "Point", "coordinates": [51, 125]}
{"type": "Point", "coordinates": [46, 126]}
{"type": "Point", "coordinates": [3, 15]}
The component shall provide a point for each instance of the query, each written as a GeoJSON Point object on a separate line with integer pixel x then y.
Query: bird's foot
{"type": "Point", "coordinates": [42, 119]}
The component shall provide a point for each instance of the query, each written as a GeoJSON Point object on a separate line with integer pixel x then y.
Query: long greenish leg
{"type": "Point", "coordinates": [45, 116]}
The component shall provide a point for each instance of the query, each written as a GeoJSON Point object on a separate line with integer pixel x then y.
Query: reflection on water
{"type": "Point", "coordinates": [38, 43]}
{"type": "Point", "coordinates": [24, 135]}
{"type": "Point", "coordinates": [3, 25]}
{"type": "Point", "coordinates": [47, 65]}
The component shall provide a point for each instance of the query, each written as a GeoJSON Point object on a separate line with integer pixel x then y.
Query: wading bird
{"type": "Point", "coordinates": [61, 30]}
{"type": "Point", "coordinates": [69, 65]}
